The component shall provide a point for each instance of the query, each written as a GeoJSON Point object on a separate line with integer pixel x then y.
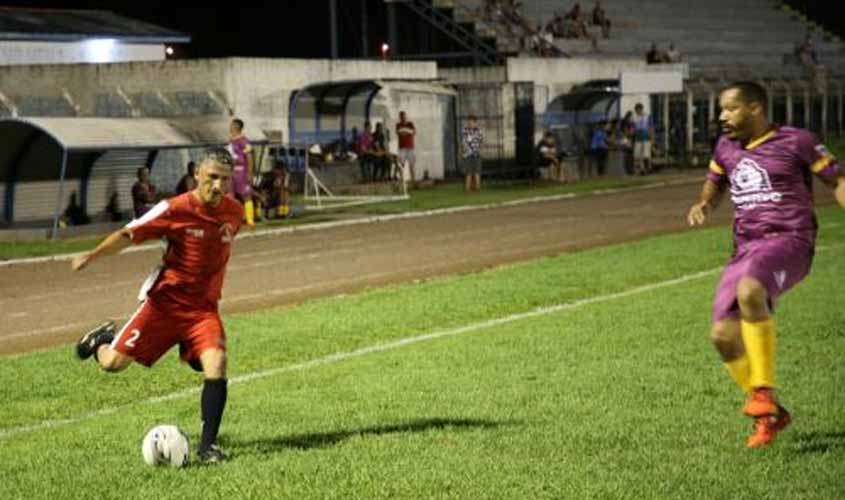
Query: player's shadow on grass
{"type": "Point", "coordinates": [820, 442]}
{"type": "Point", "coordinates": [326, 439]}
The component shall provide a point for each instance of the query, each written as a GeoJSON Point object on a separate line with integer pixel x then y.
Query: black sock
{"type": "Point", "coordinates": [213, 402]}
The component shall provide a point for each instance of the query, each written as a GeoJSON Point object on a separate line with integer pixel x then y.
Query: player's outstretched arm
{"type": "Point", "coordinates": [839, 191]}
{"type": "Point", "coordinates": [114, 243]}
{"type": "Point", "coordinates": [699, 213]}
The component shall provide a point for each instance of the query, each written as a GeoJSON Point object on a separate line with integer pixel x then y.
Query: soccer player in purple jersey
{"type": "Point", "coordinates": [768, 169]}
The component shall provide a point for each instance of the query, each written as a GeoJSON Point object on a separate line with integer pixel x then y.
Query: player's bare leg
{"type": "Point", "coordinates": [97, 343]}
{"type": "Point", "coordinates": [213, 402]}
{"type": "Point", "coordinates": [758, 333]}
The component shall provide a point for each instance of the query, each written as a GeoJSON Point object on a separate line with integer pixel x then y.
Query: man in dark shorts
{"type": "Point", "coordinates": [179, 299]}
{"type": "Point", "coordinates": [769, 170]}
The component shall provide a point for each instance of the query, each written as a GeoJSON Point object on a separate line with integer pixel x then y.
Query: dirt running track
{"type": "Point", "coordinates": [46, 304]}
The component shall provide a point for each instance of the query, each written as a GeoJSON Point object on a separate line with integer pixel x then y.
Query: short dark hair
{"type": "Point", "coordinates": [639, 105]}
{"type": "Point", "coordinates": [239, 123]}
{"type": "Point", "coordinates": [217, 154]}
{"type": "Point", "coordinates": [750, 92]}
{"type": "Point", "coordinates": [472, 118]}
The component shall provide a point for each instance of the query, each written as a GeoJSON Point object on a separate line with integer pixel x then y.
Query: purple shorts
{"type": "Point", "coordinates": [779, 263]}
{"type": "Point", "coordinates": [240, 184]}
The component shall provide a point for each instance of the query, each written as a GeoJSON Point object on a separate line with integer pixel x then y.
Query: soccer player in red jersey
{"type": "Point", "coordinates": [179, 299]}
{"type": "Point", "coordinates": [769, 171]}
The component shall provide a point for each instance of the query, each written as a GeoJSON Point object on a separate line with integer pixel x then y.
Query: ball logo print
{"type": "Point", "coordinates": [166, 445]}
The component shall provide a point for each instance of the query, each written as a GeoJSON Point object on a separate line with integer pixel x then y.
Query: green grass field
{"type": "Point", "coordinates": [417, 391]}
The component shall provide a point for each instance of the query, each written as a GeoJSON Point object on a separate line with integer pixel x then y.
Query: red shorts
{"type": "Point", "coordinates": [154, 329]}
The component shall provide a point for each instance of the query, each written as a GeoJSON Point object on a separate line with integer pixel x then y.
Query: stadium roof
{"type": "Point", "coordinates": [60, 25]}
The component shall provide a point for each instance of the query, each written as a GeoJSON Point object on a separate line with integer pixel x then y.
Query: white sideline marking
{"type": "Point", "coordinates": [375, 219]}
{"type": "Point", "coordinates": [389, 346]}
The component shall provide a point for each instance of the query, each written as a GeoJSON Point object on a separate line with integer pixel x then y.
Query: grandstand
{"type": "Point", "coordinates": [725, 37]}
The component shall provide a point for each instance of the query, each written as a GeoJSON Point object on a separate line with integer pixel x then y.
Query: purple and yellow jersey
{"type": "Point", "coordinates": [771, 181]}
{"type": "Point", "coordinates": [239, 147]}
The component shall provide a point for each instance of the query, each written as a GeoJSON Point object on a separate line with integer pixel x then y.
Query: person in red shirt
{"type": "Point", "coordinates": [405, 131]}
{"type": "Point", "coordinates": [179, 299]}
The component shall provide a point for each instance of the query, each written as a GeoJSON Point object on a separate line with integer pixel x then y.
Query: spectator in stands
{"type": "Point", "coordinates": [643, 137]}
{"type": "Point", "coordinates": [188, 182]}
{"type": "Point", "coordinates": [653, 56]}
{"type": "Point", "coordinates": [672, 55]}
{"type": "Point", "coordinates": [599, 18]}
{"type": "Point", "coordinates": [406, 132]}
{"type": "Point", "coordinates": [472, 139]}
{"type": "Point", "coordinates": [808, 57]}
{"type": "Point", "coordinates": [143, 193]}
{"type": "Point", "coordinates": [547, 157]}
{"type": "Point", "coordinates": [365, 153]}
{"type": "Point", "coordinates": [598, 147]}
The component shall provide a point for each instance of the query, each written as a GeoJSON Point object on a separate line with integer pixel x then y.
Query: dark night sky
{"type": "Point", "coordinates": [300, 28]}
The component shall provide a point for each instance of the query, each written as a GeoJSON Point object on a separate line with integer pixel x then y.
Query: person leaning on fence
{"type": "Point", "coordinates": [472, 139]}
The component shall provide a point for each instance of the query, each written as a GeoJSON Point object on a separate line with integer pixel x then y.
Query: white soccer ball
{"type": "Point", "coordinates": [165, 445]}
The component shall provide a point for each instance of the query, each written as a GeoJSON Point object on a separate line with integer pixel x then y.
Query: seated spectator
{"type": "Point", "coordinates": [366, 159]}
{"type": "Point", "coordinates": [600, 19]}
{"type": "Point", "coordinates": [547, 156]}
{"type": "Point", "coordinates": [574, 12]}
{"type": "Point", "coordinates": [143, 193]}
{"type": "Point", "coordinates": [672, 55]}
{"type": "Point", "coordinates": [274, 189]}
{"type": "Point", "coordinates": [74, 214]}
{"type": "Point", "coordinates": [653, 56]}
{"type": "Point", "coordinates": [113, 208]}
{"type": "Point", "coordinates": [188, 182]}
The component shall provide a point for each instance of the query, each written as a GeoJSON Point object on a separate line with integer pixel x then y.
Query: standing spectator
{"type": "Point", "coordinates": [381, 153]}
{"type": "Point", "coordinates": [143, 193]}
{"type": "Point", "coordinates": [274, 189]}
{"type": "Point", "coordinates": [672, 55]}
{"type": "Point", "coordinates": [600, 19]}
{"type": "Point", "coordinates": [188, 182]}
{"type": "Point", "coordinates": [547, 156]}
{"type": "Point", "coordinates": [365, 152]}
{"type": "Point", "coordinates": [241, 151]}
{"type": "Point", "coordinates": [643, 135]}
{"type": "Point", "coordinates": [406, 132]}
{"type": "Point", "coordinates": [598, 148]}
{"type": "Point", "coordinates": [471, 141]}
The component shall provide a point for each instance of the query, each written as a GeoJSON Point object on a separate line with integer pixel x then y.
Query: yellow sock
{"type": "Point", "coordinates": [759, 338]}
{"type": "Point", "coordinates": [740, 371]}
{"type": "Point", "coordinates": [249, 211]}
{"type": "Point", "coordinates": [258, 209]}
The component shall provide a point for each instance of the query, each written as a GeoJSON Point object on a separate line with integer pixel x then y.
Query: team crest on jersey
{"type": "Point", "coordinates": [196, 232]}
{"type": "Point", "coordinates": [226, 233]}
{"type": "Point", "coordinates": [751, 186]}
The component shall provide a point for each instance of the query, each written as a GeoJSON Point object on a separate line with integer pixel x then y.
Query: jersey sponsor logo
{"type": "Point", "coordinates": [227, 233]}
{"type": "Point", "coordinates": [751, 186]}
{"type": "Point", "coordinates": [196, 232]}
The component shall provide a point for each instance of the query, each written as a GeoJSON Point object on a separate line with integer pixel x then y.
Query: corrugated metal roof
{"type": "Point", "coordinates": [131, 133]}
{"type": "Point", "coordinates": [62, 25]}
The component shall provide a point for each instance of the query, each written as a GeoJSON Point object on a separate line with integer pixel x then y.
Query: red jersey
{"type": "Point", "coordinates": [405, 131]}
{"type": "Point", "coordinates": [199, 241]}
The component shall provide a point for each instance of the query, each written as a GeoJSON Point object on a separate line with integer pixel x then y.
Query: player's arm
{"type": "Point", "coordinates": [839, 190]}
{"type": "Point", "coordinates": [711, 195]}
{"type": "Point", "coordinates": [114, 243]}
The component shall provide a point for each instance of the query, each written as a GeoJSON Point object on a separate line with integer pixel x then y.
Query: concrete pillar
{"type": "Point", "coordinates": [690, 120]}
{"type": "Point", "coordinates": [667, 129]}
{"type": "Point", "coordinates": [333, 26]}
